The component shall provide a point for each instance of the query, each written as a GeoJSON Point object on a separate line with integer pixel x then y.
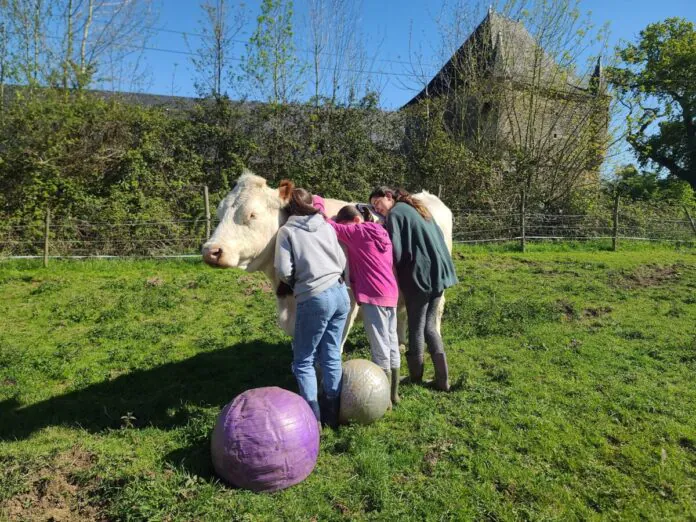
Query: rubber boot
{"type": "Point", "coordinates": [395, 386]}
{"type": "Point", "coordinates": [441, 371]}
{"type": "Point", "coordinates": [415, 368]}
{"type": "Point", "coordinates": [329, 416]}
{"type": "Point", "coordinates": [389, 379]}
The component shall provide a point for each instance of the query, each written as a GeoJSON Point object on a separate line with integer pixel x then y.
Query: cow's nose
{"type": "Point", "coordinates": [212, 254]}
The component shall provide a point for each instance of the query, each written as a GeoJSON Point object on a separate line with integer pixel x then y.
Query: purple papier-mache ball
{"type": "Point", "coordinates": [266, 439]}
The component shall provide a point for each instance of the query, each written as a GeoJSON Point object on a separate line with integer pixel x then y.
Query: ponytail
{"type": "Point", "coordinates": [301, 203]}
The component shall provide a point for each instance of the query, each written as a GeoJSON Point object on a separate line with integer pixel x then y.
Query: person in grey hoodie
{"type": "Point", "coordinates": [309, 259]}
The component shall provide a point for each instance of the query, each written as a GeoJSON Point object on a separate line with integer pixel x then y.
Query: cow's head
{"type": "Point", "coordinates": [250, 217]}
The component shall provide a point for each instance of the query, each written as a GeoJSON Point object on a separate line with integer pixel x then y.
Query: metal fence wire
{"type": "Point", "coordinates": [74, 238]}
{"type": "Point", "coordinates": [183, 238]}
{"type": "Point", "coordinates": [476, 227]}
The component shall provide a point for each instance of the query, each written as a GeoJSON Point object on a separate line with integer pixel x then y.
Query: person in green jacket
{"type": "Point", "coordinates": [424, 268]}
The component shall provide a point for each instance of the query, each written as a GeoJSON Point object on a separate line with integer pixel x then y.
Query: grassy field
{"type": "Point", "coordinates": [573, 397]}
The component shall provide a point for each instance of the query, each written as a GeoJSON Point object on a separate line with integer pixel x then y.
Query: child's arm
{"type": "Point", "coordinates": [318, 203]}
{"type": "Point", "coordinates": [284, 264]}
{"type": "Point", "coordinates": [344, 232]}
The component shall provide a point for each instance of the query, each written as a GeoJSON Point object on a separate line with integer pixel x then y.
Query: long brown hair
{"type": "Point", "coordinates": [301, 203]}
{"type": "Point", "coordinates": [400, 195]}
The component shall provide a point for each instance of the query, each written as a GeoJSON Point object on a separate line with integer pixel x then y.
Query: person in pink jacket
{"type": "Point", "coordinates": [370, 264]}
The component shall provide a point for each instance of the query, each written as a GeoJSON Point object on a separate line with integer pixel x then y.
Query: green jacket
{"type": "Point", "coordinates": [421, 259]}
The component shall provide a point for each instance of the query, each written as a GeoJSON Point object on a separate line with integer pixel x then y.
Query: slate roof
{"type": "Point", "coordinates": [510, 52]}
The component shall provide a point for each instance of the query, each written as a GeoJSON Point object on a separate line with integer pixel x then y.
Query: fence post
{"type": "Point", "coordinates": [691, 220]}
{"type": "Point", "coordinates": [523, 221]}
{"type": "Point", "coordinates": [47, 225]}
{"type": "Point", "coordinates": [615, 231]}
{"type": "Point", "coordinates": [207, 212]}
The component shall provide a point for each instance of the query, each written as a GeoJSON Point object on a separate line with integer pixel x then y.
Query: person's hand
{"type": "Point", "coordinates": [365, 212]}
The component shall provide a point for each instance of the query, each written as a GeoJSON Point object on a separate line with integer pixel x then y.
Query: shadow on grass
{"type": "Point", "coordinates": [161, 397]}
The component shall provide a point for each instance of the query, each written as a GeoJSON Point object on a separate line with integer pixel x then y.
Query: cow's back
{"type": "Point", "coordinates": [332, 206]}
{"type": "Point", "coordinates": [441, 214]}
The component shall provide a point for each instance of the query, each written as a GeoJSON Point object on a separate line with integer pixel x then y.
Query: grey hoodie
{"type": "Point", "coordinates": [308, 256]}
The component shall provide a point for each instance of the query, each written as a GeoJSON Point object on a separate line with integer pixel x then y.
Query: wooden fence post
{"type": "Point", "coordinates": [615, 231]}
{"type": "Point", "coordinates": [47, 225]}
{"type": "Point", "coordinates": [207, 212]}
{"type": "Point", "coordinates": [691, 220]}
{"type": "Point", "coordinates": [523, 221]}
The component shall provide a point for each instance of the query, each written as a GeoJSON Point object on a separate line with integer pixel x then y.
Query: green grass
{"type": "Point", "coordinates": [573, 396]}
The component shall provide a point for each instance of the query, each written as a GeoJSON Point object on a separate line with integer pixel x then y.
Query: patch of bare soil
{"type": "Point", "coordinates": [567, 309]}
{"type": "Point", "coordinates": [154, 281]}
{"type": "Point", "coordinates": [596, 312]}
{"type": "Point", "coordinates": [433, 456]}
{"type": "Point", "coordinates": [53, 494]}
{"type": "Point", "coordinates": [647, 276]}
{"type": "Point", "coordinates": [251, 284]}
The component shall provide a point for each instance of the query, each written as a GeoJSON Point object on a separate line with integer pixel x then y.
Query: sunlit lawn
{"type": "Point", "coordinates": [573, 398]}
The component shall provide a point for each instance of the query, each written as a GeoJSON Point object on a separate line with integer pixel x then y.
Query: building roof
{"type": "Point", "coordinates": [506, 49]}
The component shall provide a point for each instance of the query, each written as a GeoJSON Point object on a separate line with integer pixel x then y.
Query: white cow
{"type": "Point", "coordinates": [245, 238]}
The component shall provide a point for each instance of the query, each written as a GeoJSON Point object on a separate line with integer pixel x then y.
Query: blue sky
{"type": "Point", "coordinates": [386, 25]}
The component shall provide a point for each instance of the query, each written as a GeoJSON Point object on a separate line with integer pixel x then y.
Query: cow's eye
{"type": "Point", "coordinates": [252, 215]}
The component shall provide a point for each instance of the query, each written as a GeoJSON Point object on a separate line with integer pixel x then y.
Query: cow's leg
{"type": "Point", "coordinates": [402, 326]}
{"type": "Point", "coordinates": [354, 309]}
{"type": "Point", "coordinates": [401, 323]}
{"type": "Point", "coordinates": [440, 312]}
{"type": "Point", "coordinates": [287, 312]}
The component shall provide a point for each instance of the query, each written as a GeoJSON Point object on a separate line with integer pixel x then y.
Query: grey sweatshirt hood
{"type": "Point", "coordinates": [308, 223]}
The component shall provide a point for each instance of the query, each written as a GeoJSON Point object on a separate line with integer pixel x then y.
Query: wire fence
{"type": "Point", "coordinates": [183, 238]}
{"type": "Point", "coordinates": [476, 227]}
{"type": "Point", "coordinates": [76, 238]}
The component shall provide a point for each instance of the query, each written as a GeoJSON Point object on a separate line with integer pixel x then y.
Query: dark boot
{"type": "Point", "coordinates": [415, 368]}
{"type": "Point", "coordinates": [329, 415]}
{"type": "Point", "coordinates": [441, 371]}
{"type": "Point", "coordinates": [389, 379]}
{"type": "Point", "coordinates": [395, 386]}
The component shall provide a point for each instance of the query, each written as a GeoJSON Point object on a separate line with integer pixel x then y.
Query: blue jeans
{"type": "Point", "coordinates": [318, 332]}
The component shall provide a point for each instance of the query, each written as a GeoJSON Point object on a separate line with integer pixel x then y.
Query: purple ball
{"type": "Point", "coordinates": [266, 439]}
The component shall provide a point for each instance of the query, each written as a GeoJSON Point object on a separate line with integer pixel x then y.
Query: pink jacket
{"type": "Point", "coordinates": [370, 262]}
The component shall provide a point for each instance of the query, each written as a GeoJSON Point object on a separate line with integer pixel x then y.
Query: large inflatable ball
{"type": "Point", "coordinates": [266, 439]}
{"type": "Point", "coordinates": [364, 392]}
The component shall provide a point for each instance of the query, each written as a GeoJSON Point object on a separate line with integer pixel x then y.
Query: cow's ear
{"type": "Point", "coordinates": [285, 190]}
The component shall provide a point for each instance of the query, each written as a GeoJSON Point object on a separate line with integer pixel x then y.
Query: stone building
{"type": "Point", "coordinates": [501, 89]}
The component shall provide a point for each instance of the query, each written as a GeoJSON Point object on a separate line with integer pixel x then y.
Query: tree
{"type": "Point", "coordinates": [5, 63]}
{"type": "Point", "coordinates": [657, 84]}
{"type": "Point", "coordinates": [338, 59]}
{"type": "Point", "coordinates": [271, 64]}
{"type": "Point", "coordinates": [63, 43]}
{"type": "Point", "coordinates": [213, 59]}
{"type": "Point", "coordinates": [27, 45]}
{"type": "Point", "coordinates": [634, 184]}
{"type": "Point", "coordinates": [96, 29]}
